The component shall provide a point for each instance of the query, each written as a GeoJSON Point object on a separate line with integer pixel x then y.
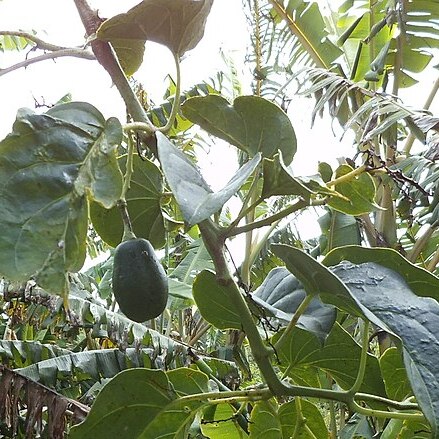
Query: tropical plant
{"type": "Point", "coordinates": [330, 337]}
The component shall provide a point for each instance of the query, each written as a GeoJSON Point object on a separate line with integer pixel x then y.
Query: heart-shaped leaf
{"type": "Point", "coordinates": [360, 193]}
{"type": "Point", "coordinates": [253, 124]}
{"type": "Point", "coordinates": [177, 24]}
{"type": "Point", "coordinates": [143, 200]}
{"type": "Point", "coordinates": [144, 403]}
{"type": "Point", "coordinates": [301, 355]}
{"type": "Point", "coordinates": [315, 424]}
{"type": "Point", "coordinates": [278, 180]}
{"type": "Point", "coordinates": [130, 54]}
{"type": "Point", "coordinates": [213, 302]}
{"type": "Point", "coordinates": [281, 294]}
{"type": "Point", "coordinates": [194, 196]}
{"type": "Point", "coordinates": [49, 165]}
{"type": "Point", "coordinates": [395, 375]}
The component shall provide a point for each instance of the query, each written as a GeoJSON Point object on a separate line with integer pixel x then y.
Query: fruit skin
{"type": "Point", "coordinates": [140, 284]}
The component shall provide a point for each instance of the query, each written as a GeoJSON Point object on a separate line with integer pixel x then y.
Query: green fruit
{"type": "Point", "coordinates": [140, 284]}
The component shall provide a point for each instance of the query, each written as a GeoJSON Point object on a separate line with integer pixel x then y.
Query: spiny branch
{"type": "Point", "coordinates": [78, 53]}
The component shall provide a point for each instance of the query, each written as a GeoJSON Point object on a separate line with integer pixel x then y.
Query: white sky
{"type": "Point", "coordinates": [57, 21]}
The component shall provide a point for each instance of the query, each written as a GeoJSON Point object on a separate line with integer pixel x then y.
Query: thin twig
{"type": "Point", "coordinates": [78, 53]}
{"type": "Point", "coordinates": [39, 43]}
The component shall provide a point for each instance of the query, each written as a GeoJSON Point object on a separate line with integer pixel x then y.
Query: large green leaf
{"type": "Point", "coordinates": [281, 294]}
{"type": "Point", "coordinates": [316, 279]}
{"type": "Point", "coordinates": [49, 165]}
{"type": "Point", "coordinates": [359, 192]}
{"type": "Point", "coordinates": [126, 405]}
{"type": "Point", "coordinates": [213, 301]}
{"type": "Point", "coordinates": [288, 416]}
{"type": "Point", "coordinates": [421, 281]}
{"type": "Point", "coordinates": [338, 229]}
{"type": "Point", "coordinates": [264, 421]}
{"type": "Point", "coordinates": [302, 355]}
{"type": "Point", "coordinates": [392, 305]}
{"type": "Point", "coordinates": [177, 24]}
{"type": "Point", "coordinates": [143, 202]}
{"type": "Point", "coordinates": [394, 375]}
{"type": "Point", "coordinates": [194, 196]}
{"type": "Point", "coordinates": [253, 124]}
{"type": "Point", "coordinates": [144, 403]}
{"type": "Point", "coordinates": [219, 422]}
{"type": "Point", "coordinates": [188, 381]}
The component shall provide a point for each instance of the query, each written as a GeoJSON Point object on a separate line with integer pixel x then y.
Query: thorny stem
{"type": "Point", "coordinates": [39, 43]}
{"type": "Point", "coordinates": [78, 53]}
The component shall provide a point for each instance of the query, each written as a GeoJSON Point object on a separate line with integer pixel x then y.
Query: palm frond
{"type": "Point", "coordinates": [369, 113]}
{"type": "Point", "coordinates": [276, 49]}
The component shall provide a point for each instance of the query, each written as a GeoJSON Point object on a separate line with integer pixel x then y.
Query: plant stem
{"type": "Point", "coordinates": [78, 53]}
{"type": "Point", "coordinates": [292, 324]}
{"type": "Point", "coordinates": [139, 126]}
{"type": "Point", "coordinates": [204, 367]}
{"type": "Point", "coordinates": [129, 169]}
{"type": "Point", "coordinates": [106, 57]}
{"type": "Point", "coordinates": [363, 360]}
{"type": "Point", "coordinates": [386, 415]}
{"type": "Point", "coordinates": [300, 420]}
{"type": "Point", "coordinates": [176, 102]}
{"type": "Point", "coordinates": [388, 402]}
{"type": "Point", "coordinates": [420, 244]}
{"type": "Point", "coordinates": [199, 333]}
{"type": "Point", "coordinates": [214, 242]}
{"type": "Point", "coordinates": [348, 177]}
{"type": "Point", "coordinates": [128, 232]}
{"type": "Point", "coordinates": [271, 219]}
{"type": "Point", "coordinates": [333, 420]}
